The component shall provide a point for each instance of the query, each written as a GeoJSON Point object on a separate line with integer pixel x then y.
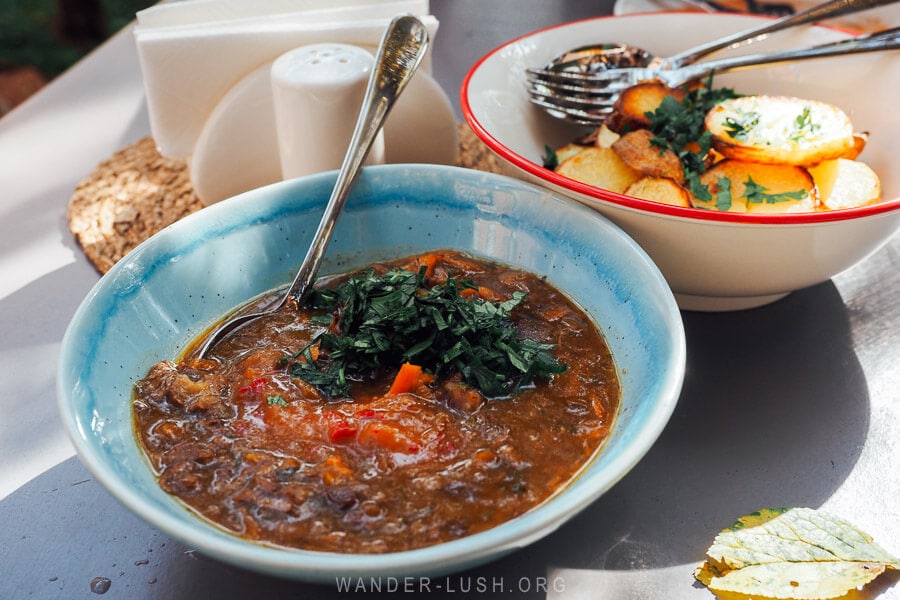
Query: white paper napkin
{"type": "Point", "coordinates": [192, 52]}
{"type": "Point", "coordinates": [194, 12]}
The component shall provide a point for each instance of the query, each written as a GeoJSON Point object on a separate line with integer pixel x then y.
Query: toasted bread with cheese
{"type": "Point", "coordinates": [780, 130]}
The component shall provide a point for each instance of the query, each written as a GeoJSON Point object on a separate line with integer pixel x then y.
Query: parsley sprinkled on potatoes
{"type": "Point", "coordinates": [713, 149]}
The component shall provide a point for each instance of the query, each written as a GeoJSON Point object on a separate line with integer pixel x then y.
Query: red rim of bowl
{"type": "Point", "coordinates": [622, 200]}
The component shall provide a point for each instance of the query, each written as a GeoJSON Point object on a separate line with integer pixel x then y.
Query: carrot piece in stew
{"type": "Point", "coordinates": [428, 261]}
{"type": "Point", "coordinates": [387, 436]}
{"type": "Point", "coordinates": [485, 293]}
{"type": "Point", "coordinates": [334, 470]}
{"type": "Point", "coordinates": [409, 378]}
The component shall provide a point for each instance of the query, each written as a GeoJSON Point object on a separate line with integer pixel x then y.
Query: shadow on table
{"type": "Point", "coordinates": [774, 412]}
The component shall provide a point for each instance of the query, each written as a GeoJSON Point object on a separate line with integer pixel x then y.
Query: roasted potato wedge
{"type": "Point", "coordinates": [780, 130]}
{"type": "Point", "coordinates": [845, 183]}
{"type": "Point", "coordinates": [636, 149]}
{"type": "Point", "coordinates": [739, 186]}
{"type": "Point", "coordinates": [660, 189]}
{"type": "Point", "coordinates": [600, 167]}
{"type": "Point", "coordinates": [631, 107]}
{"type": "Point", "coordinates": [606, 137]}
{"type": "Point", "coordinates": [566, 152]}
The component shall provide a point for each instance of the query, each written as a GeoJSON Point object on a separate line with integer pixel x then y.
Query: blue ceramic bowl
{"type": "Point", "coordinates": [181, 281]}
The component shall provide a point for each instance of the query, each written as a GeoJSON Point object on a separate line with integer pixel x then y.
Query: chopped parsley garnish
{"type": "Point", "coordinates": [276, 400]}
{"type": "Point", "coordinates": [804, 125]}
{"type": "Point", "coordinates": [382, 321]}
{"type": "Point", "coordinates": [550, 159]}
{"type": "Point", "coordinates": [723, 195]}
{"type": "Point", "coordinates": [739, 128]}
{"type": "Point", "coordinates": [755, 193]}
{"type": "Point", "coordinates": [679, 127]}
{"type": "Point", "coordinates": [696, 187]}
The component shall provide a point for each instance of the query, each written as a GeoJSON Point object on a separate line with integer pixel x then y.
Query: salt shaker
{"type": "Point", "coordinates": [317, 92]}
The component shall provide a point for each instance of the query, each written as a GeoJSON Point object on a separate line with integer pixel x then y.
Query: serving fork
{"type": "Point", "coordinates": [587, 98]}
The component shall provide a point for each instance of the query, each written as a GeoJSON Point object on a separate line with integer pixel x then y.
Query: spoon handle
{"type": "Point", "coordinates": [889, 39]}
{"type": "Point", "coordinates": [833, 8]}
{"type": "Point", "coordinates": [402, 50]}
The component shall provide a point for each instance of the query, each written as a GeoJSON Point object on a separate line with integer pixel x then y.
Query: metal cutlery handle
{"type": "Point", "coordinates": [888, 39]}
{"type": "Point", "coordinates": [401, 52]}
{"type": "Point", "coordinates": [399, 55]}
{"type": "Point", "coordinates": [834, 8]}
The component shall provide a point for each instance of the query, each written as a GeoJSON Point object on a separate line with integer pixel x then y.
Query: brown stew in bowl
{"type": "Point", "coordinates": [412, 403]}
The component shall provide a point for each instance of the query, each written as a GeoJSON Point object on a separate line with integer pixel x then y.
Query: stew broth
{"type": "Point", "coordinates": [250, 446]}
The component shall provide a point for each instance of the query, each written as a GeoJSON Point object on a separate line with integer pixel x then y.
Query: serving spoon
{"type": "Point", "coordinates": [607, 56]}
{"type": "Point", "coordinates": [589, 102]}
{"type": "Point", "coordinates": [401, 51]}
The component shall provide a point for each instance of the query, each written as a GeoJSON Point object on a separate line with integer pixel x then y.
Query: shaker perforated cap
{"type": "Point", "coordinates": [318, 92]}
{"type": "Point", "coordinates": [323, 65]}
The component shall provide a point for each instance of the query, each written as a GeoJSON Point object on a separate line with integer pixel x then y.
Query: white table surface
{"type": "Point", "coordinates": [794, 404]}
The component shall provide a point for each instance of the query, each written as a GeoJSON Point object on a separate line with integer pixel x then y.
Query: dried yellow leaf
{"type": "Point", "coordinates": [795, 553]}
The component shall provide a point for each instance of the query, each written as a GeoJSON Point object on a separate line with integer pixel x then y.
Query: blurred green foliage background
{"type": "Point", "coordinates": [51, 35]}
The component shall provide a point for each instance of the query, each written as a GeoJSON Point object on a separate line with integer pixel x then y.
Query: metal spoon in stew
{"type": "Point", "coordinates": [607, 56]}
{"type": "Point", "coordinates": [399, 55]}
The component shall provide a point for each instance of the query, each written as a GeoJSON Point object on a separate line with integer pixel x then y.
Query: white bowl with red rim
{"type": "Point", "coordinates": [713, 261]}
